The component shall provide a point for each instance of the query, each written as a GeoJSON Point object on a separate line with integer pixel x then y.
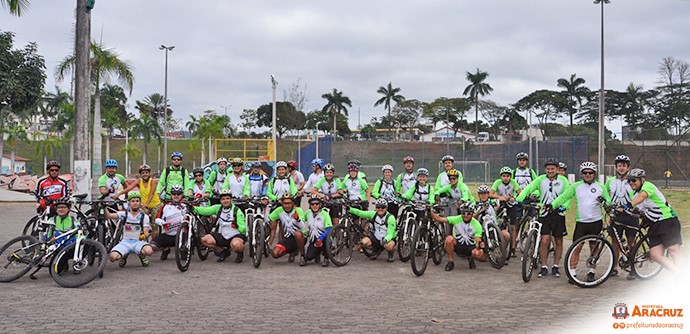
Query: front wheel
{"type": "Point", "coordinates": [592, 259]}
{"type": "Point", "coordinates": [183, 249]}
{"type": "Point", "coordinates": [641, 263]}
{"type": "Point", "coordinates": [438, 244]}
{"type": "Point", "coordinates": [16, 257]}
{"type": "Point", "coordinates": [31, 227]}
{"type": "Point", "coordinates": [405, 239]}
{"type": "Point", "coordinates": [420, 250]}
{"type": "Point", "coordinates": [257, 242]}
{"type": "Point", "coordinates": [72, 271]}
{"type": "Point", "coordinates": [339, 245]}
{"type": "Point", "coordinates": [529, 258]}
{"type": "Point", "coordinates": [495, 245]}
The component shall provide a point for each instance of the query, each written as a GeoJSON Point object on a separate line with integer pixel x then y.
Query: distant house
{"type": "Point", "coordinates": [446, 134]}
{"type": "Point", "coordinates": [19, 164]}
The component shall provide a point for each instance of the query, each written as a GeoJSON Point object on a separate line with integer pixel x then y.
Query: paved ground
{"type": "Point", "coordinates": [364, 296]}
{"type": "Point", "coordinates": [15, 196]}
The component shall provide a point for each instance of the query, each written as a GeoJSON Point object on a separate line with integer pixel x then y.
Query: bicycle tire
{"type": "Point", "coordinates": [339, 245]}
{"type": "Point", "coordinates": [73, 274]}
{"type": "Point", "coordinates": [202, 251]}
{"type": "Point", "coordinates": [595, 253]}
{"type": "Point", "coordinates": [528, 256]}
{"type": "Point", "coordinates": [249, 219]}
{"type": "Point", "coordinates": [183, 251]}
{"type": "Point", "coordinates": [438, 244]}
{"type": "Point", "coordinates": [642, 265]}
{"type": "Point", "coordinates": [31, 227]}
{"type": "Point", "coordinates": [23, 249]}
{"type": "Point", "coordinates": [419, 250]}
{"type": "Point", "coordinates": [367, 229]}
{"type": "Point", "coordinates": [521, 236]}
{"type": "Point", "coordinates": [258, 244]}
{"type": "Point", "coordinates": [495, 246]}
{"type": "Point", "coordinates": [405, 240]}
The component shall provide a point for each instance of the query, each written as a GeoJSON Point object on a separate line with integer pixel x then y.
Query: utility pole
{"type": "Point", "coordinates": [82, 92]}
{"type": "Point", "coordinates": [165, 101]}
{"type": "Point", "coordinates": [274, 83]}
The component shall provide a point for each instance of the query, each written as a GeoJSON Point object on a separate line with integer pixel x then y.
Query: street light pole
{"type": "Point", "coordinates": [601, 144]}
{"type": "Point", "coordinates": [274, 83]}
{"type": "Point", "coordinates": [316, 139]}
{"type": "Point", "coordinates": [165, 101]}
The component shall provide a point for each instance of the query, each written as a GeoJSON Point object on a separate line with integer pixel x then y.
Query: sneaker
{"type": "Point", "coordinates": [450, 265]}
{"type": "Point", "coordinates": [302, 261]}
{"type": "Point", "coordinates": [512, 253]}
{"type": "Point", "coordinates": [223, 255]}
{"type": "Point", "coordinates": [390, 257]}
{"type": "Point", "coordinates": [544, 272]}
{"type": "Point", "coordinates": [472, 264]}
{"type": "Point", "coordinates": [614, 272]}
{"type": "Point", "coordinates": [631, 276]}
{"type": "Point", "coordinates": [123, 261]}
{"type": "Point", "coordinates": [239, 257]}
{"type": "Point", "coordinates": [144, 260]}
{"type": "Point", "coordinates": [291, 258]}
{"type": "Point", "coordinates": [325, 262]}
{"type": "Point", "coordinates": [375, 255]}
{"type": "Point", "coordinates": [554, 272]}
{"type": "Point", "coordinates": [590, 277]}
{"type": "Point", "coordinates": [165, 253]}
{"type": "Point", "coordinates": [317, 259]}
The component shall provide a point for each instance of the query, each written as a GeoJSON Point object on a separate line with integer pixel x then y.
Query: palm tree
{"type": "Point", "coordinates": [105, 63]}
{"type": "Point", "coordinates": [51, 107]}
{"type": "Point", "coordinates": [146, 127]}
{"type": "Point", "coordinates": [336, 104]}
{"type": "Point", "coordinates": [476, 88]}
{"type": "Point", "coordinates": [574, 91]}
{"type": "Point", "coordinates": [46, 145]}
{"type": "Point", "coordinates": [16, 7]}
{"type": "Point", "coordinates": [389, 94]}
{"type": "Point", "coordinates": [14, 134]}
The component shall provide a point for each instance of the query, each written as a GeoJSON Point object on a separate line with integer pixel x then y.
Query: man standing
{"type": "Point", "coordinates": [173, 175]}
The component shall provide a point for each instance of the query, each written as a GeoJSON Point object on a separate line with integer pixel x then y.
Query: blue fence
{"type": "Point", "coordinates": [308, 153]}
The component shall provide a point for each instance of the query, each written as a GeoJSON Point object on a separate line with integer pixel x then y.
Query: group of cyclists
{"type": "Point", "coordinates": [296, 232]}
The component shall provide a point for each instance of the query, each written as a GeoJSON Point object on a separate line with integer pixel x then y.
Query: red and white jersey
{"type": "Point", "coordinates": [52, 189]}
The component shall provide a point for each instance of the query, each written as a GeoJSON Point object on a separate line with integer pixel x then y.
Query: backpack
{"type": "Point", "coordinates": [185, 176]}
{"type": "Point", "coordinates": [141, 220]}
{"type": "Point", "coordinates": [234, 212]}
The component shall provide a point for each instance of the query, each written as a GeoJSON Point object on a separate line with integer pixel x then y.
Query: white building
{"type": "Point", "coordinates": [19, 164]}
{"type": "Point", "coordinates": [445, 134]}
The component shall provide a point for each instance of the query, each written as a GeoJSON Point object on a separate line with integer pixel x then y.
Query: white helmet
{"type": "Point", "coordinates": [588, 165]}
{"type": "Point", "coordinates": [387, 167]}
{"type": "Point", "coordinates": [221, 159]}
{"type": "Point", "coordinates": [281, 164]}
{"type": "Point", "coordinates": [381, 202]}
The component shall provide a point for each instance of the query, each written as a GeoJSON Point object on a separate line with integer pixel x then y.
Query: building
{"type": "Point", "coordinates": [445, 134]}
{"type": "Point", "coordinates": [19, 164]}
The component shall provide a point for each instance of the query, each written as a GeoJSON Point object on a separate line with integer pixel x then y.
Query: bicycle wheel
{"type": "Point", "coordinates": [183, 251]}
{"type": "Point", "coordinates": [31, 227]}
{"type": "Point", "coordinates": [495, 246]}
{"type": "Point", "coordinates": [642, 265]}
{"type": "Point", "coordinates": [249, 219]}
{"type": "Point", "coordinates": [528, 257]}
{"type": "Point", "coordinates": [405, 239]}
{"type": "Point", "coordinates": [521, 237]}
{"type": "Point", "coordinates": [438, 244]}
{"type": "Point", "coordinates": [592, 259]}
{"type": "Point", "coordinates": [420, 250]}
{"type": "Point", "coordinates": [16, 257]}
{"type": "Point", "coordinates": [339, 246]}
{"type": "Point", "coordinates": [72, 271]}
{"type": "Point", "coordinates": [257, 246]}
{"type": "Point", "coordinates": [367, 229]}
{"type": "Point", "coordinates": [202, 251]}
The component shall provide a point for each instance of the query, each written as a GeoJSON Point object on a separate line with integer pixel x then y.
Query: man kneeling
{"type": "Point", "coordinates": [135, 232]}
{"type": "Point", "coordinates": [467, 236]}
{"type": "Point", "coordinates": [231, 226]}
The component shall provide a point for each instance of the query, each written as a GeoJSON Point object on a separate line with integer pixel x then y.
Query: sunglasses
{"type": "Point", "coordinates": [312, 204]}
{"type": "Point", "coordinates": [466, 213]}
{"type": "Point", "coordinates": [587, 173]}
{"type": "Point", "coordinates": [53, 170]}
{"type": "Point", "coordinates": [381, 207]}
{"type": "Point", "coordinates": [176, 194]}
{"type": "Point", "coordinates": [197, 175]}
{"type": "Point", "coordinates": [176, 159]}
{"type": "Point", "coordinates": [452, 178]}
{"type": "Point", "coordinates": [632, 180]}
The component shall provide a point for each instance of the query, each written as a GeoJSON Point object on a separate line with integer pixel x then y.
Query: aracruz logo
{"type": "Point", "coordinates": [620, 311]}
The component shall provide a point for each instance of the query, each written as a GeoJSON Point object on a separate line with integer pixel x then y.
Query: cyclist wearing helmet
{"type": "Point", "coordinates": [442, 178]}
{"type": "Point", "coordinates": [318, 225]}
{"type": "Point", "coordinates": [486, 208]}
{"type": "Point", "coordinates": [237, 182]}
{"type": "Point", "coordinates": [384, 233]}
{"type": "Point", "coordinates": [316, 175]}
{"type": "Point", "coordinates": [150, 203]}
{"type": "Point", "coordinates": [385, 188]}
{"type": "Point", "coordinates": [589, 196]}
{"type": "Point", "coordinates": [62, 221]}
{"type": "Point", "coordinates": [355, 187]}
{"type": "Point", "coordinates": [217, 179]}
{"type": "Point", "coordinates": [173, 175]}
{"type": "Point", "coordinates": [466, 238]}
{"type": "Point", "coordinates": [360, 174]}
{"type": "Point", "coordinates": [407, 178]}
{"type": "Point", "coordinates": [169, 219]}
{"type": "Point", "coordinates": [298, 178]}
{"type": "Point", "coordinates": [136, 227]}
{"type": "Point", "coordinates": [231, 228]}
{"type": "Point", "coordinates": [506, 189]}
{"type": "Point", "coordinates": [421, 190]}
{"type": "Point", "coordinates": [293, 229]}
{"type": "Point", "coordinates": [562, 169]}
{"type": "Point", "coordinates": [281, 184]}
{"type": "Point", "coordinates": [110, 183]}
{"type": "Point", "coordinates": [200, 187]}
{"type": "Point", "coordinates": [664, 227]}
{"type": "Point", "coordinates": [550, 186]}
{"type": "Point", "coordinates": [257, 180]}
{"type": "Point", "coordinates": [454, 194]}
{"type": "Point", "coordinates": [52, 187]}
{"type": "Point", "coordinates": [327, 188]}
{"type": "Point", "coordinates": [621, 195]}
{"type": "Point", "coordinates": [522, 174]}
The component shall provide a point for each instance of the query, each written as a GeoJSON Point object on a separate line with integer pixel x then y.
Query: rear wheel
{"type": "Point", "coordinates": [72, 271]}
{"type": "Point", "coordinates": [438, 244]}
{"type": "Point", "coordinates": [642, 265]}
{"type": "Point", "coordinates": [250, 234]}
{"type": "Point", "coordinates": [183, 251]}
{"type": "Point", "coordinates": [367, 230]}
{"type": "Point", "coordinates": [16, 257]}
{"type": "Point", "coordinates": [31, 227]}
{"type": "Point", "coordinates": [529, 259]}
{"type": "Point", "coordinates": [592, 259]}
{"type": "Point", "coordinates": [339, 245]}
{"type": "Point", "coordinates": [405, 240]}
{"type": "Point", "coordinates": [495, 246]}
{"type": "Point", "coordinates": [521, 237]}
{"type": "Point", "coordinates": [257, 244]}
{"type": "Point", "coordinates": [420, 250]}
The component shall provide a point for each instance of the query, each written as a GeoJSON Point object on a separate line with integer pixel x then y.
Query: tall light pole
{"type": "Point", "coordinates": [601, 144]}
{"type": "Point", "coordinates": [165, 101]}
{"type": "Point", "coordinates": [274, 83]}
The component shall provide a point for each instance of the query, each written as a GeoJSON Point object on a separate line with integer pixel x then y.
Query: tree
{"type": "Point", "coordinates": [287, 117]}
{"type": "Point", "coordinates": [574, 91]}
{"type": "Point", "coordinates": [16, 7]}
{"type": "Point", "coordinates": [52, 101]}
{"type": "Point", "coordinates": [476, 88]}
{"type": "Point", "coordinates": [113, 104]}
{"type": "Point", "coordinates": [544, 103]}
{"type": "Point", "coordinates": [336, 105]}
{"type": "Point", "coordinates": [673, 100]}
{"type": "Point", "coordinates": [322, 120]}
{"type": "Point", "coordinates": [450, 111]}
{"type": "Point", "coordinates": [407, 114]}
{"type": "Point", "coordinates": [14, 134]}
{"type": "Point", "coordinates": [494, 113]}
{"type": "Point", "coordinates": [249, 119]}
{"type": "Point", "coordinates": [22, 77]}
{"type": "Point", "coordinates": [146, 127]}
{"type": "Point", "coordinates": [46, 145]}
{"type": "Point", "coordinates": [154, 106]}
{"type": "Point", "coordinates": [297, 94]}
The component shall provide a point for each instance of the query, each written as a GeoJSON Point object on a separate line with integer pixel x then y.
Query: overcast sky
{"type": "Point", "coordinates": [226, 50]}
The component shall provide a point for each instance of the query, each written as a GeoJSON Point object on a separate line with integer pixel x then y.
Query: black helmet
{"type": "Point", "coordinates": [551, 161]}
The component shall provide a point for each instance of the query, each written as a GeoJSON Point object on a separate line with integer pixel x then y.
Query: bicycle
{"type": "Point", "coordinates": [589, 261]}
{"type": "Point", "coordinates": [188, 237]}
{"type": "Point", "coordinates": [32, 226]}
{"type": "Point", "coordinates": [522, 226]}
{"type": "Point", "coordinates": [428, 240]}
{"type": "Point", "coordinates": [495, 244]}
{"type": "Point", "coordinates": [74, 259]}
{"type": "Point", "coordinates": [256, 230]}
{"type": "Point", "coordinates": [407, 224]}
{"type": "Point", "coordinates": [344, 237]}
{"type": "Point", "coordinates": [530, 256]}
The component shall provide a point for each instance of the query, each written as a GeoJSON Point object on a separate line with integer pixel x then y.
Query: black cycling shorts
{"type": "Point", "coordinates": [163, 241]}
{"type": "Point", "coordinates": [627, 220]}
{"type": "Point", "coordinates": [665, 232]}
{"type": "Point", "coordinates": [582, 229]}
{"type": "Point", "coordinates": [553, 224]}
{"type": "Point", "coordinates": [334, 210]}
{"type": "Point", "coordinates": [462, 249]}
{"type": "Point", "coordinates": [289, 244]}
{"type": "Point", "coordinates": [222, 242]}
